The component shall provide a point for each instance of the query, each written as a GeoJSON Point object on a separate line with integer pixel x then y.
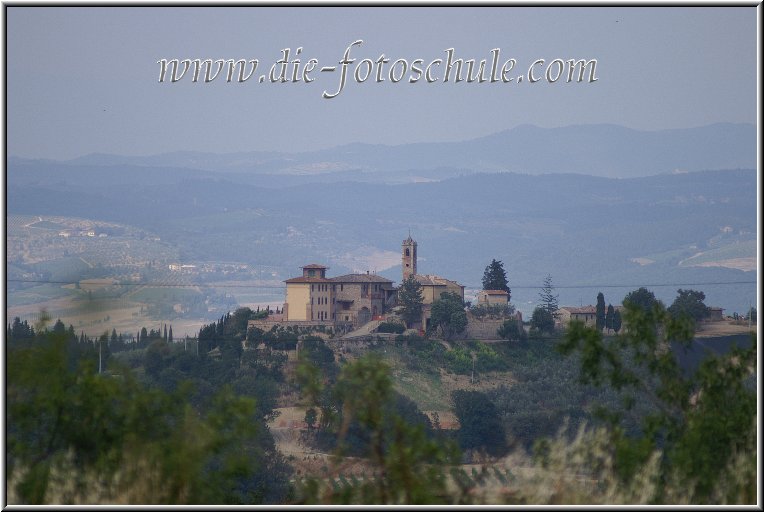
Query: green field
{"type": "Point", "coordinates": [37, 294]}
{"type": "Point", "coordinates": [746, 249]}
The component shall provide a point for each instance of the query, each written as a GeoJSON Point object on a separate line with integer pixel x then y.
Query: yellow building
{"type": "Point", "coordinates": [308, 297]}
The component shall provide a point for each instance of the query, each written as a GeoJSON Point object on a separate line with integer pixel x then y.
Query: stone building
{"type": "Point", "coordinates": [492, 298]}
{"type": "Point", "coordinates": [351, 298]}
{"type": "Point", "coordinates": [315, 299]}
{"type": "Point", "coordinates": [585, 314]}
{"type": "Point", "coordinates": [359, 298]}
{"type": "Point", "coordinates": [408, 257]}
{"type": "Point", "coordinates": [432, 286]}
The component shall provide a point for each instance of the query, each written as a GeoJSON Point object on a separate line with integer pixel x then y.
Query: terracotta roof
{"type": "Point", "coordinates": [494, 292]}
{"type": "Point", "coordinates": [431, 280]}
{"type": "Point", "coordinates": [585, 310]}
{"type": "Point", "coordinates": [360, 278]}
{"type": "Point", "coordinates": [302, 279]}
{"type": "Point", "coordinates": [315, 265]}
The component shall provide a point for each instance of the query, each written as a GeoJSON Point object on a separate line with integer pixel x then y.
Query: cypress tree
{"type": "Point", "coordinates": [600, 311]}
{"type": "Point", "coordinates": [609, 317]}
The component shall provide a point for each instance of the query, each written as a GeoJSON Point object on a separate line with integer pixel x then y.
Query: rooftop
{"type": "Point", "coordinates": [587, 310]}
{"type": "Point", "coordinates": [302, 279]}
{"type": "Point", "coordinates": [315, 265]}
{"type": "Point", "coordinates": [494, 292]}
{"type": "Point", "coordinates": [360, 278]}
{"type": "Point", "coordinates": [432, 280]}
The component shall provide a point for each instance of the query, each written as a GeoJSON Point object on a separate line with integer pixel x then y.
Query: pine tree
{"type": "Point", "coordinates": [600, 311]}
{"type": "Point", "coordinates": [548, 300]}
{"type": "Point", "coordinates": [495, 278]}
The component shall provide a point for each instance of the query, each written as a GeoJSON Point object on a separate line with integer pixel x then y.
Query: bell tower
{"type": "Point", "coordinates": [408, 255]}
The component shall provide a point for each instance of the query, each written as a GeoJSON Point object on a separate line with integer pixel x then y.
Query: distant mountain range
{"type": "Point", "coordinates": [597, 150]}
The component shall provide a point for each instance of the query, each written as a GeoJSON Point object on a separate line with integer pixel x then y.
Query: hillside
{"type": "Point", "coordinates": [587, 232]}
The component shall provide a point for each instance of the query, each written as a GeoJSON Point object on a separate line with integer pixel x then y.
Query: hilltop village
{"type": "Point", "coordinates": [351, 302]}
{"type": "Point", "coordinates": [354, 305]}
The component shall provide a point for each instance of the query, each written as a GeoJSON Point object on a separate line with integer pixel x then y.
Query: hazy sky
{"type": "Point", "coordinates": [85, 79]}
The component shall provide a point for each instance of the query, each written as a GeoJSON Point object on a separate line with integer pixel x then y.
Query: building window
{"type": "Point", "coordinates": [407, 251]}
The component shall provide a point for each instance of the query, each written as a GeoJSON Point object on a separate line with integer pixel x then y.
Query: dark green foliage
{"type": "Point", "coordinates": [642, 298]}
{"type": "Point", "coordinates": [617, 321]}
{"type": "Point", "coordinates": [512, 330]}
{"type": "Point", "coordinates": [19, 330]}
{"type": "Point", "coordinates": [156, 358]}
{"type": "Point", "coordinates": [610, 317]}
{"type": "Point", "coordinates": [495, 278]}
{"type": "Point", "coordinates": [689, 303]}
{"type": "Point", "coordinates": [310, 417]}
{"type": "Point", "coordinates": [492, 311]}
{"type": "Point", "coordinates": [542, 322]}
{"type": "Point", "coordinates": [448, 314]}
{"type": "Point", "coordinates": [601, 312]}
{"type": "Point", "coordinates": [281, 339]}
{"type": "Point", "coordinates": [480, 425]}
{"type": "Point", "coordinates": [69, 427]}
{"type": "Point", "coordinates": [314, 350]}
{"type": "Point", "coordinates": [376, 422]}
{"type": "Point", "coordinates": [701, 421]}
{"type": "Point", "coordinates": [410, 299]}
{"type": "Point", "coordinates": [391, 327]}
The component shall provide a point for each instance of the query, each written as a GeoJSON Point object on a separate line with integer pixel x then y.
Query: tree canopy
{"type": "Point", "coordinates": [448, 314]}
{"type": "Point", "coordinates": [642, 298]}
{"type": "Point", "coordinates": [512, 330]}
{"type": "Point", "coordinates": [703, 421]}
{"type": "Point", "coordinates": [542, 321]}
{"type": "Point", "coordinates": [689, 303]}
{"type": "Point", "coordinates": [601, 311]}
{"type": "Point", "coordinates": [410, 298]}
{"type": "Point", "coordinates": [495, 277]}
{"type": "Point", "coordinates": [481, 426]}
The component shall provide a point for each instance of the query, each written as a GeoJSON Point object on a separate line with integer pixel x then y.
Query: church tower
{"type": "Point", "coordinates": [408, 252]}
